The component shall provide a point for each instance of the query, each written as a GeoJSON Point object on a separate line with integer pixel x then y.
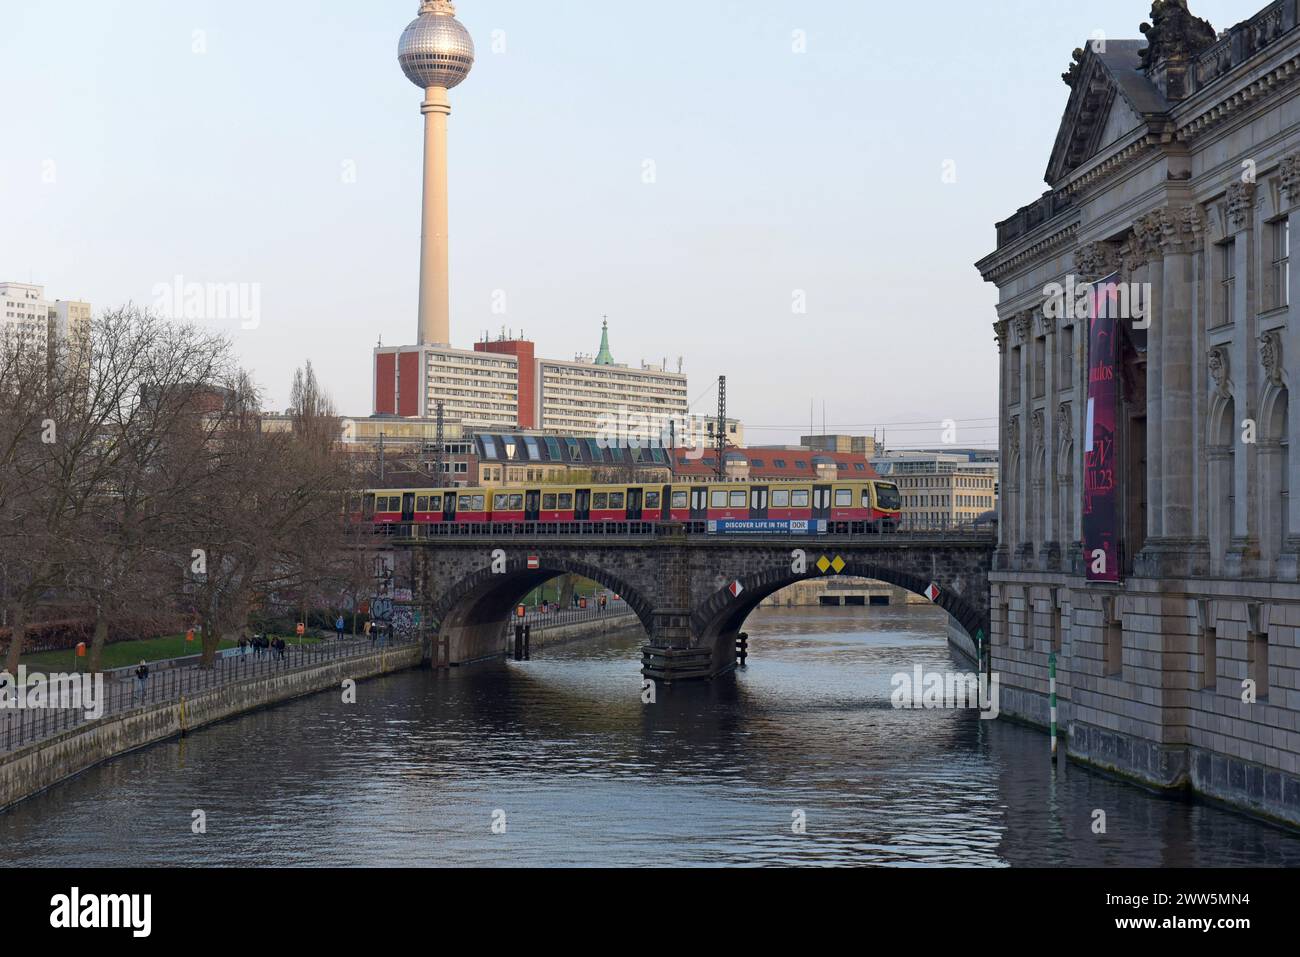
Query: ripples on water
{"type": "Point", "coordinates": [588, 775]}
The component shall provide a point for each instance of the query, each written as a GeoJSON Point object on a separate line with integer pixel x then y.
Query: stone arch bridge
{"type": "Point", "coordinates": [692, 593]}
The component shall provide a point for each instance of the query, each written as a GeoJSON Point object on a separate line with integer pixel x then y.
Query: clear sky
{"type": "Point", "coordinates": [214, 140]}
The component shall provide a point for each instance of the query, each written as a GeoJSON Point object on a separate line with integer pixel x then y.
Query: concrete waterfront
{"type": "Point", "coordinates": [59, 745]}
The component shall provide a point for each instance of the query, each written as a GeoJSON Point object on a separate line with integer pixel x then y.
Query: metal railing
{"type": "Point", "coordinates": [22, 726]}
{"type": "Point", "coordinates": [558, 618]}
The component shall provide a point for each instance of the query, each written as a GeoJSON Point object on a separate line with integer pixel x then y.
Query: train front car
{"type": "Point", "coordinates": [886, 507]}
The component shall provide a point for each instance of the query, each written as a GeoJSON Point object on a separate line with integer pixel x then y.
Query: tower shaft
{"type": "Point", "coordinates": [435, 260]}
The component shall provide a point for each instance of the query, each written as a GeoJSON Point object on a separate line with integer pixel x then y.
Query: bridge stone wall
{"type": "Point", "coordinates": [679, 587]}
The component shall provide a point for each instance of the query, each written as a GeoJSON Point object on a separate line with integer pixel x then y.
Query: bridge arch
{"type": "Point", "coordinates": [722, 615]}
{"type": "Point", "coordinates": [472, 614]}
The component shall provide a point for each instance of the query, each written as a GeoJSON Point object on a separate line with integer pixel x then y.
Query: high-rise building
{"type": "Point", "coordinates": [584, 397]}
{"type": "Point", "coordinates": [27, 314]}
{"type": "Point", "coordinates": [478, 389]}
{"type": "Point", "coordinates": [502, 384]}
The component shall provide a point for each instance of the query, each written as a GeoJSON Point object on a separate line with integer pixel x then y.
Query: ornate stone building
{"type": "Point", "coordinates": [1176, 169]}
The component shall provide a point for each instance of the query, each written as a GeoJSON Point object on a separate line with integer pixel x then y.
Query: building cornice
{"type": "Point", "coordinates": [999, 265]}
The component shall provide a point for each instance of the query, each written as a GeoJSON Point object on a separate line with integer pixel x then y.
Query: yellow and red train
{"type": "Point", "coordinates": [778, 508]}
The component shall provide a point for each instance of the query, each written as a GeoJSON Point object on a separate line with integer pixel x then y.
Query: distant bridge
{"type": "Point", "coordinates": [691, 592]}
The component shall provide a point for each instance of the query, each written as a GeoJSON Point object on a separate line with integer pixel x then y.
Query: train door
{"type": "Point", "coordinates": [821, 499]}
{"type": "Point", "coordinates": [533, 505]}
{"type": "Point", "coordinates": [408, 507]}
{"type": "Point", "coordinates": [699, 503]}
{"type": "Point", "coordinates": [634, 501]}
{"type": "Point", "coordinates": [758, 502]}
{"type": "Point", "coordinates": [582, 505]}
{"type": "Point", "coordinates": [449, 505]}
{"type": "Point", "coordinates": [666, 511]}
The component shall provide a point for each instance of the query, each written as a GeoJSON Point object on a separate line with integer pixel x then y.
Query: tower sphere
{"type": "Point", "coordinates": [436, 50]}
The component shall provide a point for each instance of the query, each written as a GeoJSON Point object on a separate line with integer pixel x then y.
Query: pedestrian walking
{"type": "Point", "coordinates": [338, 627]}
{"type": "Point", "coordinates": [141, 679]}
{"type": "Point", "coordinates": [243, 646]}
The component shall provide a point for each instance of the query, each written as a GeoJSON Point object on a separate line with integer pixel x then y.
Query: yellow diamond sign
{"type": "Point", "coordinates": [839, 564]}
{"type": "Point", "coordinates": [823, 564]}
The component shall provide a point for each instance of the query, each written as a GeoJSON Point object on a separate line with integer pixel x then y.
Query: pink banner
{"type": "Point", "coordinates": [1101, 542]}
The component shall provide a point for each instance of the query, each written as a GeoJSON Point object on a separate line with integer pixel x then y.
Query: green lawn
{"type": "Point", "coordinates": [123, 653]}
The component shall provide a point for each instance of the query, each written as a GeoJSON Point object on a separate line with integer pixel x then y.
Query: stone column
{"type": "Point", "coordinates": [1050, 549]}
{"type": "Point", "coordinates": [1243, 549]}
{"type": "Point", "coordinates": [1288, 565]}
{"type": "Point", "coordinates": [1024, 482]}
{"type": "Point", "coordinates": [1006, 536]}
{"type": "Point", "coordinates": [1182, 230]}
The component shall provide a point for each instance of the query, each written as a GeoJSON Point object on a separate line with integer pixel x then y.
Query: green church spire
{"type": "Point", "coordinates": [604, 358]}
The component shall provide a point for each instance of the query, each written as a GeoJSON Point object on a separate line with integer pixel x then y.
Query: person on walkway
{"type": "Point", "coordinates": [142, 678]}
{"type": "Point", "coordinates": [602, 604]}
{"type": "Point", "coordinates": [338, 627]}
{"type": "Point", "coordinates": [370, 630]}
{"type": "Point", "coordinates": [243, 646]}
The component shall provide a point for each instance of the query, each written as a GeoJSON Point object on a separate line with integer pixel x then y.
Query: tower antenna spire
{"type": "Point", "coordinates": [436, 53]}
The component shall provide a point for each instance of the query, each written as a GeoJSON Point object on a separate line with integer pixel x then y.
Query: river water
{"type": "Point", "coordinates": [562, 756]}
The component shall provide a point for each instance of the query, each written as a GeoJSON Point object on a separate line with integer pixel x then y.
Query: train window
{"type": "Point", "coordinates": [799, 498]}
{"type": "Point", "coordinates": [718, 499]}
{"type": "Point", "coordinates": [888, 496]}
{"type": "Point", "coordinates": [566, 501]}
{"type": "Point", "coordinates": [422, 503]}
{"type": "Point", "coordinates": [738, 499]}
{"type": "Point", "coordinates": [781, 498]}
{"type": "Point", "coordinates": [516, 502]}
{"type": "Point", "coordinates": [600, 500]}
{"type": "Point", "coordinates": [679, 499]}
{"type": "Point", "coordinates": [652, 499]}
{"type": "Point", "coordinates": [866, 497]}
{"type": "Point", "coordinates": [844, 498]}
{"type": "Point", "coordinates": [477, 505]}
{"type": "Point", "coordinates": [435, 503]}
{"type": "Point", "coordinates": [548, 501]}
{"type": "Point", "coordinates": [500, 503]}
{"type": "Point", "coordinates": [463, 504]}
{"type": "Point", "coordinates": [615, 499]}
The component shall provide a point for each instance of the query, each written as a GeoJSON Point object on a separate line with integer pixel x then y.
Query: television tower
{"type": "Point", "coordinates": [436, 53]}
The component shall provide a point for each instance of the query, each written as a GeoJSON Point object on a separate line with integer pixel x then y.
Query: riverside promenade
{"type": "Point", "coordinates": [40, 747]}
